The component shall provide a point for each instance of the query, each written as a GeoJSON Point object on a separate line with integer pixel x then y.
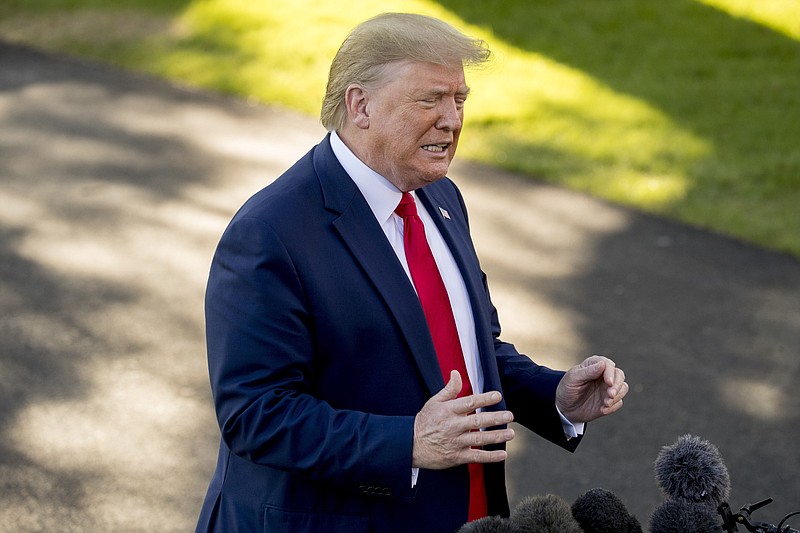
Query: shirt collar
{"type": "Point", "coordinates": [380, 194]}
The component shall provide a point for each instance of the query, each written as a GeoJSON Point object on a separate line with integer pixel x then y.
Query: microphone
{"type": "Point", "coordinates": [678, 516]}
{"type": "Point", "coordinates": [488, 524]}
{"type": "Point", "coordinates": [534, 514]}
{"type": "Point", "coordinates": [601, 511]}
{"type": "Point", "coordinates": [544, 514]}
{"type": "Point", "coordinates": [692, 470]}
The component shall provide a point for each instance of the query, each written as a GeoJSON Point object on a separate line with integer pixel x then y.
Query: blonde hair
{"type": "Point", "coordinates": [388, 38]}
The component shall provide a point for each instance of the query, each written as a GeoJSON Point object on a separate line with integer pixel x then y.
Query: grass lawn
{"type": "Point", "coordinates": [686, 108]}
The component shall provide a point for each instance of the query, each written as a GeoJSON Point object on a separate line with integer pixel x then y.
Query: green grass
{"type": "Point", "coordinates": [685, 108]}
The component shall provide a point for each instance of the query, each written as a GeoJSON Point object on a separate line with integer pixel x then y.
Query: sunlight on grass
{"type": "Point", "coordinates": [273, 52]}
{"type": "Point", "coordinates": [780, 15]}
{"type": "Point", "coordinates": [523, 106]}
{"type": "Point", "coordinates": [534, 115]}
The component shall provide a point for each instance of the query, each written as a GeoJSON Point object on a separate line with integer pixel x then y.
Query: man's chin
{"type": "Point", "coordinates": [434, 173]}
{"type": "Point", "coordinates": [431, 178]}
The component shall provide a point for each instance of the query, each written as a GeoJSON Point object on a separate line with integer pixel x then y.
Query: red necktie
{"type": "Point", "coordinates": [441, 322]}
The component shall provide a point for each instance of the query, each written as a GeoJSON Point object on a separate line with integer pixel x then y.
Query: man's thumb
{"type": "Point", "coordinates": [591, 370]}
{"type": "Point", "coordinates": [452, 388]}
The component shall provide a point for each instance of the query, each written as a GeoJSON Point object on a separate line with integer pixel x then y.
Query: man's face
{"type": "Point", "coordinates": [414, 123]}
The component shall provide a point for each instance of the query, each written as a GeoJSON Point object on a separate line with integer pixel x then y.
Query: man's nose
{"type": "Point", "coordinates": [450, 119]}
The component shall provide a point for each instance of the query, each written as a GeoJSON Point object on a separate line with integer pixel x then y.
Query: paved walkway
{"type": "Point", "coordinates": [114, 189]}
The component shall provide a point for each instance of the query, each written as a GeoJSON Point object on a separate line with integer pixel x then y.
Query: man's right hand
{"type": "Point", "coordinates": [446, 429]}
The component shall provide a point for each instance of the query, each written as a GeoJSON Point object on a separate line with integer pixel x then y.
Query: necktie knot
{"type": "Point", "coordinates": [406, 207]}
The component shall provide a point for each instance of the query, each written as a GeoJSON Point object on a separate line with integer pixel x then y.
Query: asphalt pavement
{"type": "Point", "coordinates": [114, 189]}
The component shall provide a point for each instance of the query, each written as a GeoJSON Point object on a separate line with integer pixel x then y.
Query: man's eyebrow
{"type": "Point", "coordinates": [462, 91]}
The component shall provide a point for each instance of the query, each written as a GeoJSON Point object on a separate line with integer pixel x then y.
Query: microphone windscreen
{"type": "Point", "coordinates": [544, 514]}
{"type": "Point", "coordinates": [692, 470]}
{"type": "Point", "coordinates": [488, 524]}
{"type": "Point", "coordinates": [601, 511]}
{"type": "Point", "coordinates": [676, 516]}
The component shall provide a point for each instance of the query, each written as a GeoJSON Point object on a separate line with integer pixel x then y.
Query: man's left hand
{"type": "Point", "coordinates": [591, 389]}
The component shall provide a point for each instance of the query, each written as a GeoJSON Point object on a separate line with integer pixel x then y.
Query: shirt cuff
{"type": "Point", "coordinates": [571, 430]}
{"type": "Point", "coordinates": [414, 476]}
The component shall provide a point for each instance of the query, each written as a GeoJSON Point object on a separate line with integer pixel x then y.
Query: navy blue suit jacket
{"type": "Point", "coordinates": [320, 357]}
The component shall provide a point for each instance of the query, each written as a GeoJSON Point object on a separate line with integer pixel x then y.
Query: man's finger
{"type": "Point", "coordinates": [489, 419]}
{"type": "Point", "coordinates": [468, 404]}
{"type": "Point", "coordinates": [622, 390]}
{"type": "Point", "coordinates": [613, 408]}
{"type": "Point", "coordinates": [476, 439]}
{"type": "Point", "coordinates": [617, 385]}
{"type": "Point", "coordinates": [475, 455]}
{"type": "Point", "coordinates": [619, 381]}
{"type": "Point", "coordinates": [609, 372]}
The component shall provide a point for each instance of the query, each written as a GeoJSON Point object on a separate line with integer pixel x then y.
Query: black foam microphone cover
{"type": "Point", "coordinates": [678, 516]}
{"type": "Point", "coordinates": [601, 511]}
{"type": "Point", "coordinates": [489, 524]}
{"type": "Point", "coordinates": [544, 514]}
{"type": "Point", "coordinates": [692, 470]}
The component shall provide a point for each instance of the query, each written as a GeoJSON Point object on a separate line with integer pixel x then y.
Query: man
{"type": "Point", "coordinates": [358, 376]}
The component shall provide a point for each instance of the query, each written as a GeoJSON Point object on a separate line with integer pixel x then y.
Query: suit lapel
{"type": "Point", "coordinates": [365, 239]}
{"type": "Point", "coordinates": [455, 232]}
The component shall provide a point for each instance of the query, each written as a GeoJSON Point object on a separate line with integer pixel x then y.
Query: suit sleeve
{"type": "Point", "coordinates": [261, 364]}
{"type": "Point", "coordinates": [530, 393]}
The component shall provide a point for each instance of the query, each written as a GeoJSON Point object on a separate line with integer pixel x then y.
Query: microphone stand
{"type": "Point", "coordinates": [743, 517]}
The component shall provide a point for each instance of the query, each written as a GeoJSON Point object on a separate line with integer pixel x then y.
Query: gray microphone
{"type": "Point", "coordinates": [488, 524]}
{"type": "Point", "coordinates": [534, 514]}
{"type": "Point", "coordinates": [601, 511]}
{"type": "Point", "coordinates": [692, 470]}
{"type": "Point", "coordinates": [544, 514]}
{"type": "Point", "coordinates": [678, 516]}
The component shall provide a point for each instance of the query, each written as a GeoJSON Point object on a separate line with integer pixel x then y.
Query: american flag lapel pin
{"type": "Point", "coordinates": [444, 213]}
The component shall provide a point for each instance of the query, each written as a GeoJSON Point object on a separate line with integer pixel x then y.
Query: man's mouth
{"type": "Point", "coordinates": [435, 147]}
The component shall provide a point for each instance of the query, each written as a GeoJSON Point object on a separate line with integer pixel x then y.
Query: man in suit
{"type": "Point", "coordinates": [358, 375]}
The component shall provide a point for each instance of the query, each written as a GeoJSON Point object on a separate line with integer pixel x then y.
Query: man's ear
{"type": "Point", "coordinates": [355, 99]}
